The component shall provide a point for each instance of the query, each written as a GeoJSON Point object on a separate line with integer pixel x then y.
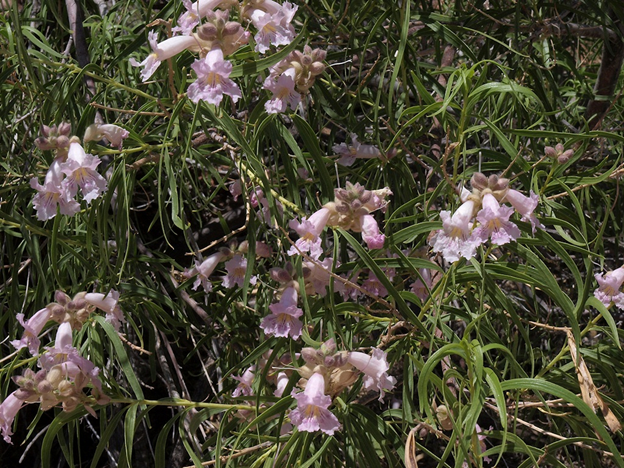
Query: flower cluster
{"type": "Point", "coordinates": [206, 28]}
{"type": "Point", "coordinates": [235, 266]}
{"type": "Point", "coordinates": [481, 217]}
{"type": "Point", "coordinates": [64, 375]}
{"type": "Point", "coordinates": [350, 210]}
{"type": "Point", "coordinates": [292, 77]}
{"type": "Point", "coordinates": [74, 311]}
{"type": "Point", "coordinates": [325, 374]}
{"type": "Point", "coordinates": [72, 169]}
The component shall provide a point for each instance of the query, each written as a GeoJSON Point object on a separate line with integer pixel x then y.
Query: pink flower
{"type": "Point", "coordinates": [370, 232]}
{"type": "Point", "coordinates": [349, 153]}
{"type": "Point", "coordinates": [194, 12]}
{"type": "Point", "coordinates": [108, 304]}
{"type": "Point", "coordinates": [53, 193]}
{"type": "Point", "coordinates": [8, 410]}
{"type": "Point", "coordinates": [454, 240]}
{"type": "Point", "coordinates": [80, 170]}
{"type": "Point", "coordinates": [318, 276]}
{"type": "Point", "coordinates": [374, 286]}
{"type": "Point", "coordinates": [311, 414]}
{"type": "Point", "coordinates": [236, 189]}
{"type": "Point", "coordinates": [610, 284]}
{"type": "Point", "coordinates": [236, 269]}
{"type": "Point", "coordinates": [32, 329]}
{"type": "Point", "coordinates": [284, 93]}
{"type": "Point", "coordinates": [113, 133]}
{"type": "Point", "coordinates": [420, 288]}
{"type": "Point", "coordinates": [284, 319]}
{"type": "Point", "coordinates": [204, 270]}
{"type": "Point", "coordinates": [245, 381]}
{"type": "Point", "coordinates": [163, 51]}
{"type": "Point", "coordinates": [310, 230]}
{"type": "Point", "coordinates": [495, 222]}
{"type": "Point", "coordinates": [282, 382]}
{"type": "Point", "coordinates": [213, 79]}
{"type": "Point", "coordinates": [524, 206]}
{"type": "Point", "coordinates": [375, 370]}
{"type": "Point", "coordinates": [273, 28]}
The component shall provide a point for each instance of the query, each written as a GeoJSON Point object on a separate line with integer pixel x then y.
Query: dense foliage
{"type": "Point", "coordinates": [332, 233]}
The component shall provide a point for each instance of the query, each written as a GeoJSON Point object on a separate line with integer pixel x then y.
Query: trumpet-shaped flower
{"type": "Point", "coordinates": [374, 286]}
{"type": "Point", "coordinates": [32, 329]}
{"type": "Point", "coordinates": [524, 206]}
{"type": "Point", "coordinates": [284, 92]}
{"type": "Point", "coordinates": [109, 304]}
{"type": "Point", "coordinates": [213, 79]}
{"type": "Point", "coordinates": [113, 133]}
{"type": "Point", "coordinates": [311, 414]}
{"type": "Point", "coordinates": [349, 153]}
{"type": "Point", "coordinates": [80, 170]}
{"type": "Point", "coordinates": [162, 51]}
{"type": "Point", "coordinates": [609, 285]}
{"type": "Point", "coordinates": [273, 28]}
{"type": "Point", "coordinates": [245, 381]}
{"type": "Point", "coordinates": [375, 370]}
{"type": "Point", "coordinates": [236, 269]}
{"type": "Point", "coordinates": [454, 239]}
{"type": "Point", "coordinates": [494, 220]}
{"type": "Point", "coordinates": [317, 275]}
{"type": "Point", "coordinates": [8, 410]}
{"type": "Point", "coordinates": [370, 232]}
{"type": "Point", "coordinates": [309, 231]}
{"type": "Point", "coordinates": [53, 193]}
{"type": "Point", "coordinates": [204, 270]}
{"type": "Point", "coordinates": [284, 319]}
{"type": "Point", "coordinates": [421, 287]}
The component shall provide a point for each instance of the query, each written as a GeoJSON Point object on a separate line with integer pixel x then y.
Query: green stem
{"type": "Point", "coordinates": [183, 403]}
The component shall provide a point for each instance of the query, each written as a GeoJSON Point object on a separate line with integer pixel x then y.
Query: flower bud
{"type": "Point", "coordinates": [62, 142]}
{"type": "Point", "coordinates": [231, 28]}
{"type": "Point", "coordinates": [550, 151]}
{"type": "Point", "coordinates": [55, 375]}
{"type": "Point", "coordinates": [208, 32]}
{"type": "Point", "coordinates": [64, 129]}
{"type": "Point", "coordinates": [317, 68]}
{"type": "Point", "coordinates": [565, 156]}
{"type": "Point", "coordinates": [65, 388]}
{"type": "Point", "coordinates": [47, 131]}
{"type": "Point", "coordinates": [44, 387]}
{"type": "Point", "coordinates": [479, 181]}
{"type": "Point", "coordinates": [306, 61]}
{"type": "Point", "coordinates": [61, 298]}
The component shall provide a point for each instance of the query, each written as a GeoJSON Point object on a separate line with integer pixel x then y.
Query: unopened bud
{"type": "Point", "coordinates": [62, 141]}
{"type": "Point", "coordinates": [231, 28]}
{"type": "Point", "coordinates": [479, 181]}
{"type": "Point", "coordinates": [61, 298]}
{"type": "Point", "coordinates": [65, 388]}
{"type": "Point", "coordinates": [57, 312]}
{"type": "Point", "coordinates": [550, 151]}
{"type": "Point", "coordinates": [565, 156]}
{"type": "Point", "coordinates": [55, 375]}
{"type": "Point", "coordinates": [329, 347]}
{"type": "Point", "coordinates": [47, 131]}
{"type": "Point", "coordinates": [207, 32]}
{"type": "Point", "coordinates": [64, 129]}
{"type": "Point", "coordinates": [317, 68]}
{"type": "Point", "coordinates": [44, 387]}
{"type": "Point", "coordinates": [306, 61]}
